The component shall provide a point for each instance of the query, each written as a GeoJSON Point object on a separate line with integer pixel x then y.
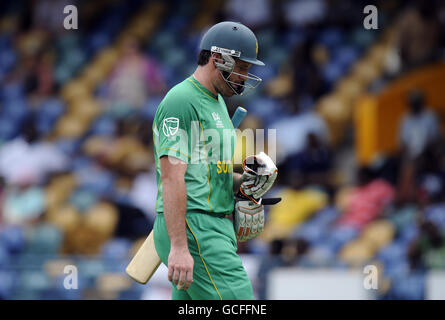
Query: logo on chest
{"type": "Point", "coordinates": [217, 118]}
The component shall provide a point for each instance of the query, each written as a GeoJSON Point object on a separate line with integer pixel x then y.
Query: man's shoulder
{"type": "Point", "coordinates": [178, 100]}
{"type": "Point", "coordinates": [181, 92]}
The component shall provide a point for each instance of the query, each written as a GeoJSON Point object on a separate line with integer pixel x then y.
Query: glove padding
{"type": "Point", "coordinates": [248, 219]}
{"type": "Point", "coordinates": [259, 175]}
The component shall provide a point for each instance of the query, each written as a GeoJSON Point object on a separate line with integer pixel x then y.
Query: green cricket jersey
{"type": "Point", "coordinates": [193, 125]}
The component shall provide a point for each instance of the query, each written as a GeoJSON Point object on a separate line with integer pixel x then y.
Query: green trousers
{"type": "Point", "coordinates": [218, 272]}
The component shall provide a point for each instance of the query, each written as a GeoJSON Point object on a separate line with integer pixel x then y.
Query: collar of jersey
{"type": "Point", "coordinates": [202, 88]}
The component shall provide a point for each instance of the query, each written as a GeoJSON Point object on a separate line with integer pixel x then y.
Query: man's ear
{"type": "Point", "coordinates": [215, 56]}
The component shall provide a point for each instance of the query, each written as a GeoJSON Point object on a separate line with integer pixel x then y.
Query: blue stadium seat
{"type": "Point", "coordinates": [12, 91]}
{"type": "Point", "coordinates": [267, 109]}
{"type": "Point", "coordinates": [436, 214]}
{"type": "Point", "coordinates": [320, 256]}
{"type": "Point", "coordinates": [62, 73]}
{"type": "Point", "coordinates": [410, 286]}
{"type": "Point", "coordinates": [33, 280]}
{"type": "Point", "coordinates": [8, 129]}
{"type": "Point", "coordinates": [97, 182]}
{"type": "Point", "coordinates": [59, 294]}
{"type": "Point", "coordinates": [116, 249]}
{"type": "Point", "coordinates": [80, 162]}
{"type": "Point", "coordinates": [309, 231]}
{"type": "Point", "coordinates": [103, 126]}
{"type": "Point", "coordinates": [148, 110]}
{"type": "Point", "coordinates": [339, 236]}
{"type": "Point", "coordinates": [68, 146]}
{"type": "Point", "coordinates": [8, 58]}
{"type": "Point", "coordinates": [408, 233]}
{"type": "Point", "coordinates": [326, 216]}
{"type": "Point", "coordinates": [58, 284]}
{"type": "Point", "coordinates": [330, 37]}
{"type": "Point", "coordinates": [395, 251]}
{"type": "Point", "coordinates": [44, 239]}
{"type": "Point", "coordinates": [294, 37]}
{"type": "Point", "coordinates": [345, 55]}
{"type": "Point", "coordinates": [90, 269]}
{"type": "Point", "coordinates": [4, 257]}
{"type": "Point", "coordinates": [12, 238]}
{"type": "Point", "coordinates": [82, 199]}
{"type": "Point", "coordinates": [7, 282]}
{"type": "Point", "coordinates": [332, 71]}
{"type": "Point", "coordinates": [266, 72]}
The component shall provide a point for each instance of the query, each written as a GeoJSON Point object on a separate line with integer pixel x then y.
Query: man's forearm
{"type": "Point", "coordinates": [175, 205]}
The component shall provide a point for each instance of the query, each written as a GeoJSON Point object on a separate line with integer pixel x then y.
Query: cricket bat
{"type": "Point", "coordinates": [146, 260]}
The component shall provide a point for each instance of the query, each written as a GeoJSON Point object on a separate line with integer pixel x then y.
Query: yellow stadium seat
{"type": "Point", "coordinates": [55, 267]}
{"type": "Point", "coordinates": [102, 218]}
{"type": "Point", "coordinates": [66, 218]}
{"type": "Point", "coordinates": [83, 240]}
{"type": "Point", "coordinates": [75, 89]}
{"type": "Point", "coordinates": [107, 58]}
{"type": "Point", "coordinates": [357, 252]}
{"type": "Point", "coordinates": [96, 145]}
{"type": "Point", "coordinates": [280, 87]}
{"type": "Point", "coordinates": [70, 126]}
{"type": "Point", "coordinates": [58, 189]}
{"type": "Point", "coordinates": [85, 108]}
{"type": "Point", "coordinates": [294, 208]}
{"type": "Point", "coordinates": [110, 284]}
{"type": "Point", "coordinates": [333, 106]}
{"type": "Point", "coordinates": [366, 71]}
{"type": "Point", "coordinates": [380, 233]}
{"type": "Point", "coordinates": [94, 74]}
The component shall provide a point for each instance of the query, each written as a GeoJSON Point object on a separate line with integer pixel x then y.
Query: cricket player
{"type": "Point", "coordinates": [194, 141]}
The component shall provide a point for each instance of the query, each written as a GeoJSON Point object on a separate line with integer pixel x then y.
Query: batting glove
{"type": "Point", "coordinates": [259, 175]}
{"type": "Point", "coordinates": [248, 219]}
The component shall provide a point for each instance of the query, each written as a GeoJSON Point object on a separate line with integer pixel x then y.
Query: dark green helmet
{"type": "Point", "coordinates": [234, 39]}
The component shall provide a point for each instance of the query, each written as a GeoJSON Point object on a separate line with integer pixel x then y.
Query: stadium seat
{"type": "Point", "coordinates": [67, 218]}
{"type": "Point", "coordinates": [7, 282]}
{"type": "Point", "coordinates": [45, 238]}
{"type": "Point", "coordinates": [395, 251]}
{"type": "Point", "coordinates": [4, 256]}
{"type": "Point", "coordinates": [357, 253]}
{"type": "Point", "coordinates": [12, 238]}
{"type": "Point", "coordinates": [102, 218]}
{"type": "Point", "coordinates": [116, 249]}
{"type": "Point", "coordinates": [380, 233]}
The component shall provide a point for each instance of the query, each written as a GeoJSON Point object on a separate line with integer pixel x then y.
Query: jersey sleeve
{"type": "Point", "coordinates": [173, 125]}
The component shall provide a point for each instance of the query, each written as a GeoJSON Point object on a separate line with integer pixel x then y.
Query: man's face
{"type": "Point", "coordinates": [238, 76]}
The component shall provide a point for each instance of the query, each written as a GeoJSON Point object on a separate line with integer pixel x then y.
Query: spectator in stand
{"type": "Point", "coordinates": [315, 160]}
{"type": "Point", "coordinates": [135, 78]}
{"type": "Point", "coordinates": [418, 34]}
{"type": "Point", "coordinates": [254, 13]}
{"type": "Point", "coordinates": [24, 202]}
{"type": "Point", "coordinates": [27, 157]}
{"type": "Point", "coordinates": [428, 249]}
{"type": "Point", "coordinates": [419, 127]}
{"type": "Point", "coordinates": [2, 197]}
{"type": "Point", "coordinates": [418, 131]}
{"type": "Point", "coordinates": [292, 131]}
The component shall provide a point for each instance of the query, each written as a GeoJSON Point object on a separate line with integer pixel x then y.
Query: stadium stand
{"type": "Point", "coordinates": [77, 185]}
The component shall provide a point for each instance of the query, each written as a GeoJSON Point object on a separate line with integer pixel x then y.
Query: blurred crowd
{"type": "Point", "coordinates": [77, 182]}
